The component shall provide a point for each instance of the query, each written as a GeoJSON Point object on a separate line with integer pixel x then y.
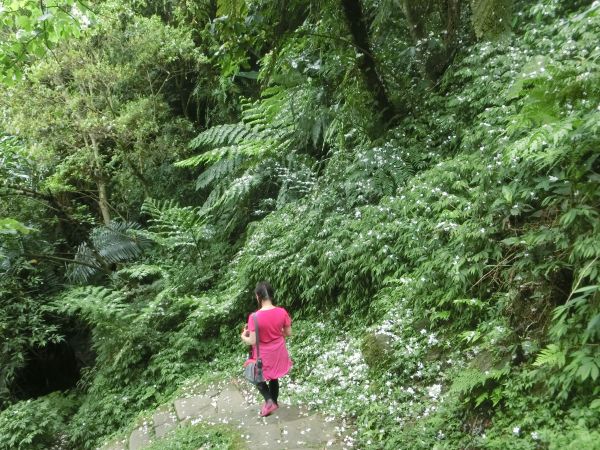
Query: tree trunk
{"type": "Point", "coordinates": [100, 182]}
{"type": "Point", "coordinates": [358, 29]}
{"type": "Point", "coordinates": [415, 16]}
{"type": "Point", "coordinates": [452, 24]}
{"type": "Point", "coordinates": [435, 60]}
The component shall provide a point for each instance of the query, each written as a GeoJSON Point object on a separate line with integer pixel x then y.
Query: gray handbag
{"type": "Point", "coordinates": [253, 372]}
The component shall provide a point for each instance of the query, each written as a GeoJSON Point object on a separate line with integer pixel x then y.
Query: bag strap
{"type": "Point", "coordinates": [257, 337]}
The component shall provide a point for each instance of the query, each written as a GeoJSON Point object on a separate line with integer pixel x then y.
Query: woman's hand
{"type": "Point", "coordinates": [248, 337]}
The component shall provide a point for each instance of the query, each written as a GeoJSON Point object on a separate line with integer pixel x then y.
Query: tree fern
{"type": "Point", "coordinates": [267, 129]}
{"type": "Point", "coordinates": [85, 264]}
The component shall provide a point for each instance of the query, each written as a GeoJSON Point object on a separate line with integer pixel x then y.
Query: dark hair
{"type": "Point", "coordinates": [264, 291]}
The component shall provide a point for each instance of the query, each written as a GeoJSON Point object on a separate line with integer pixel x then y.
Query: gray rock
{"type": "Point", "coordinates": [287, 413]}
{"type": "Point", "coordinates": [164, 417]}
{"type": "Point", "coordinates": [115, 445]}
{"type": "Point", "coordinates": [265, 435]}
{"type": "Point", "coordinates": [163, 429]}
{"type": "Point", "coordinates": [191, 407]}
{"type": "Point", "coordinates": [290, 427]}
{"type": "Point", "coordinates": [164, 421]}
{"type": "Point", "coordinates": [139, 438]}
{"type": "Point", "coordinates": [307, 432]}
{"type": "Point", "coordinates": [247, 418]}
{"type": "Point", "coordinates": [230, 402]}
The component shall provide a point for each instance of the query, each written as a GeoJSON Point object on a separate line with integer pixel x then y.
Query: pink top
{"type": "Point", "coordinates": [273, 352]}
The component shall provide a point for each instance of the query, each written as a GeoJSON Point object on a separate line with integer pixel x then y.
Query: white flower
{"type": "Point", "coordinates": [432, 339]}
{"type": "Point", "coordinates": [553, 178]}
{"type": "Point", "coordinates": [516, 431]}
{"type": "Point", "coordinates": [434, 390]}
{"type": "Point", "coordinates": [535, 435]}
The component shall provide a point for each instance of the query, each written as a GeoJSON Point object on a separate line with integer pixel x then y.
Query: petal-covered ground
{"type": "Point", "coordinates": [234, 405]}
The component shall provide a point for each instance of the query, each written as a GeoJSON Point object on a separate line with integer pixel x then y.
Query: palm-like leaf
{"type": "Point", "coordinates": [115, 243]}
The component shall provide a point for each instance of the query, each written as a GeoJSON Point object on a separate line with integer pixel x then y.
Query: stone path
{"type": "Point", "coordinates": [235, 405]}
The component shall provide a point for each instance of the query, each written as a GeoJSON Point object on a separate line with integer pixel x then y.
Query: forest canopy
{"type": "Point", "coordinates": [418, 180]}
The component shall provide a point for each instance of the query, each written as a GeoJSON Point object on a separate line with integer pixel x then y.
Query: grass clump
{"type": "Point", "coordinates": [195, 437]}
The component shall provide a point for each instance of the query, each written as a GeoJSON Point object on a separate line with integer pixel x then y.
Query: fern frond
{"type": "Point", "coordinates": [218, 171]}
{"type": "Point", "coordinates": [240, 187]}
{"type": "Point", "coordinates": [551, 356]}
{"type": "Point", "coordinates": [175, 226]}
{"type": "Point", "coordinates": [142, 271]}
{"type": "Point", "coordinates": [467, 380]}
{"type": "Point", "coordinates": [192, 161]}
{"type": "Point", "coordinates": [214, 197]}
{"type": "Point", "coordinates": [97, 305]}
{"type": "Point", "coordinates": [220, 135]}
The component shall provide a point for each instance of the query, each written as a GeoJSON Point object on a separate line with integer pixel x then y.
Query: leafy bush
{"type": "Point", "coordinates": [36, 424]}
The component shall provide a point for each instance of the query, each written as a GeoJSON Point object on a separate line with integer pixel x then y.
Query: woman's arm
{"type": "Point", "coordinates": [287, 331]}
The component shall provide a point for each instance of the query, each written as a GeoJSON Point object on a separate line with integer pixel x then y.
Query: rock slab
{"type": "Point", "coordinates": [288, 428]}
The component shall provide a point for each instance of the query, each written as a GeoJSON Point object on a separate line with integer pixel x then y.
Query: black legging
{"type": "Point", "coordinates": [270, 392]}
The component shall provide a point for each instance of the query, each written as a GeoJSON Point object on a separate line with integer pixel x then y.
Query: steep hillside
{"type": "Point", "coordinates": [427, 209]}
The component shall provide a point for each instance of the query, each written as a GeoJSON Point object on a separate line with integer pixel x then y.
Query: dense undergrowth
{"type": "Point", "coordinates": [442, 275]}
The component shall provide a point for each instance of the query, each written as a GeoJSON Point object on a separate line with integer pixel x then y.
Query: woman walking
{"type": "Point", "coordinates": [274, 325]}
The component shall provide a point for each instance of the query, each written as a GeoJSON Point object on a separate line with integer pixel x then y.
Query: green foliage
{"type": "Point", "coordinates": [551, 356]}
{"type": "Point", "coordinates": [12, 226]}
{"type": "Point", "coordinates": [30, 28]}
{"type": "Point", "coordinates": [198, 436]}
{"type": "Point", "coordinates": [578, 438]}
{"type": "Point", "coordinates": [36, 424]}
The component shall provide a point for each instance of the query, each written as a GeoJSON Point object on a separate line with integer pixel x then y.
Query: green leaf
{"type": "Point", "coordinates": [12, 226]}
{"type": "Point", "coordinates": [23, 22]}
{"type": "Point", "coordinates": [508, 193]}
{"type": "Point", "coordinates": [481, 398]}
{"type": "Point", "coordinates": [591, 288]}
{"type": "Point", "coordinates": [587, 370]}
